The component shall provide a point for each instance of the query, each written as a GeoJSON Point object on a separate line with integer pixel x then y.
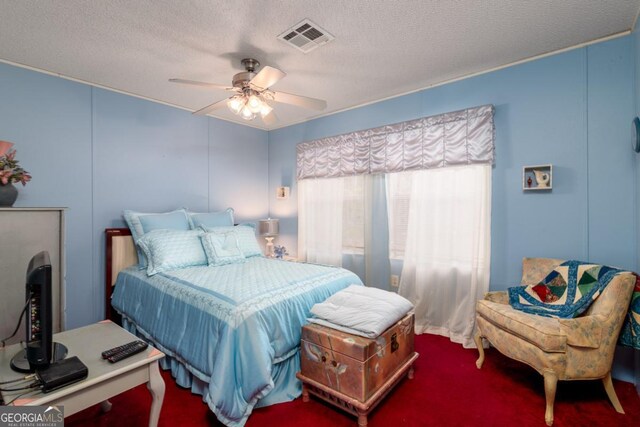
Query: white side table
{"type": "Point", "coordinates": [105, 379]}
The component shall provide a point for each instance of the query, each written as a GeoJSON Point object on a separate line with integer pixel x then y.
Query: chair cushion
{"type": "Point", "coordinates": [501, 297]}
{"type": "Point", "coordinates": [583, 331]}
{"type": "Point", "coordinates": [543, 332]}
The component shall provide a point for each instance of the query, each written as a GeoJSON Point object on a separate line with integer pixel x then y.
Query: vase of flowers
{"type": "Point", "coordinates": [10, 173]}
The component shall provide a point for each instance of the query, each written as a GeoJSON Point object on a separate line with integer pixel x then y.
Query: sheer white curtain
{"type": "Point", "coordinates": [320, 205]}
{"type": "Point", "coordinates": [448, 249]}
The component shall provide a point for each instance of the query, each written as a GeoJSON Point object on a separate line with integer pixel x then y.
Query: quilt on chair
{"type": "Point", "coordinates": [568, 291]}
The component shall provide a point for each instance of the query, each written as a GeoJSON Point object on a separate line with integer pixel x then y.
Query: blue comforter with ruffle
{"type": "Point", "coordinates": [230, 325]}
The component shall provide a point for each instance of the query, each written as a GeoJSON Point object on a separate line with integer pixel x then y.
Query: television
{"type": "Point", "coordinates": [40, 350]}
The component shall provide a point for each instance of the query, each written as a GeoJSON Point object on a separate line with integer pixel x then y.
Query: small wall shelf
{"type": "Point", "coordinates": [529, 181]}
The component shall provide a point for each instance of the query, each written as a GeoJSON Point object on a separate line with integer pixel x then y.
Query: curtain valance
{"type": "Point", "coordinates": [456, 138]}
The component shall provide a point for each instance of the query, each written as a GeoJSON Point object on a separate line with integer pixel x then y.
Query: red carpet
{"type": "Point", "coordinates": [447, 390]}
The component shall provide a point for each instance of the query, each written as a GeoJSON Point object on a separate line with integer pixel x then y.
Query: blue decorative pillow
{"type": "Point", "coordinates": [222, 248]}
{"type": "Point", "coordinates": [212, 219]}
{"type": "Point", "coordinates": [171, 249]}
{"type": "Point", "coordinates": [141, 223]}
{"type": "Point", "coordinates": [246, 238]}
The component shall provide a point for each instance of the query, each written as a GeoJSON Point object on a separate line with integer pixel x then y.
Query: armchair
{"type": "Point", "coordinates": [581, 348]}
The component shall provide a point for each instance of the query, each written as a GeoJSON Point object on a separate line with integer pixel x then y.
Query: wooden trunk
{"type": "Point", "coordinates": [352, 365]}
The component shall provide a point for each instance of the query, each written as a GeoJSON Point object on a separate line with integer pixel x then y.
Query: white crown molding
{"type": "Point", "coordinates": [467, 76]}
{"type": "Point", "coordinates": [111, 89]}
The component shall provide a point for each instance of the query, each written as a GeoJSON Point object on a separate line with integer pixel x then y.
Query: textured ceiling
{"type": "Point", "coordinates": [382, 48]}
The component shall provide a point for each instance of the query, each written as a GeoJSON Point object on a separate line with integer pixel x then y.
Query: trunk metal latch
{"type": "Point", "coordinates": [394, 343]}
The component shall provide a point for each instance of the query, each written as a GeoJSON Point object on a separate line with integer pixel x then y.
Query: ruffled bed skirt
{"type": "Point", "coordinates": [286, 386]}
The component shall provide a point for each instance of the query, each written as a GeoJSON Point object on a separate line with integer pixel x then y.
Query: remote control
{"type": "Point", "coordinates": [115, 350]}
{"type": "Point", "coordinates": [130, 351]}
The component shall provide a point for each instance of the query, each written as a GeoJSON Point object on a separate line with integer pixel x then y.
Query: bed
{"type": "Point", "coordinates": [231, 332]}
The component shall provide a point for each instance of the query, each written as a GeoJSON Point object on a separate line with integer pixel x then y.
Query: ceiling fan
{"type": "Point", "coordinates": [253, 93]}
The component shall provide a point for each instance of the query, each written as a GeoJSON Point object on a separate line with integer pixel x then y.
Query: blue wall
{"type": "Point", "coordinates": [571, 110]}
{"type": "Point", "coordinates": [98, 152]}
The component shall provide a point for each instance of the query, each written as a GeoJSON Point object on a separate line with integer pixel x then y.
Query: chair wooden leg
{"type": "Point", "coordinates": [611, 392]}
{"type": "Point", "coordinates": [550, 384]}
{"type": "Point", "coordinates": [478, 339]}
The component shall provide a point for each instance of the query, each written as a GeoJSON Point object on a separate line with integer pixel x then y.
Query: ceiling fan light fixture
{"type": "Point", "coordinates": [236, 103]}
{"type": "Point", "coordinates": [253, 90]}
{"type": "Point", "coordinates": [247, 114]}
{"type": "Point", "coordinates": [254, 104]}
{"type": "Point", "coordinates": [265, 109]}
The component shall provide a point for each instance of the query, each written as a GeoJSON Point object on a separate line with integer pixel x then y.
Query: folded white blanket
{"type": "Point", "coordinates": [360, 310]}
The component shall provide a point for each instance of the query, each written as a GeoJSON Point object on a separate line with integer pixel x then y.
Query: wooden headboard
{"type": "Point", "coordinates": [121, 253]}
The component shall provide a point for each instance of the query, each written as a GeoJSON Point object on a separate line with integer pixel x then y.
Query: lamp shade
{"type": "Point", "coordinates": [269, 227]}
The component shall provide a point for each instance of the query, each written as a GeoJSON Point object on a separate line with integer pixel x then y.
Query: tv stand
{"type": "Point", "coordinates": [20, 363]}
{"type": "Point", "coordinates": [105, 379]}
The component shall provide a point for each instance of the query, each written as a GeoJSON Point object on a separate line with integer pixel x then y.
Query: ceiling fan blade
{"type": "Point", "coordinates": [267, 77]}
{"type": "Point", "coordinates": [203, 84]}
{"type": "Point", "coordinates": [209, 108]}
{"type": "Point", "coordinates": [300, 101]}
{"type": "Point", "coordinates": [270, 119]}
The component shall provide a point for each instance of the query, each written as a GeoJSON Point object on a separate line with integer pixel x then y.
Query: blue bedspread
{"type": "Point", "coordinates": [229, 325]}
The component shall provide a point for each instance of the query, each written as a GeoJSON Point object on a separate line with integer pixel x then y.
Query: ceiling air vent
{"type": "Point", "coordinates": [306, 36]}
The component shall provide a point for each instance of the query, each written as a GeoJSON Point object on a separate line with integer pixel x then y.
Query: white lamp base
{"type": "Point", "coordinates": [269, 247]}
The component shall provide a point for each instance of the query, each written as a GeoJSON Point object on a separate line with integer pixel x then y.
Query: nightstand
{"type": "Point", "coordinates": [105, 379]}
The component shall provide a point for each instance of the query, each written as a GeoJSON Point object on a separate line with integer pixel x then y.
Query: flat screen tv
{"type": "Point", "coordinates": [40, 350]}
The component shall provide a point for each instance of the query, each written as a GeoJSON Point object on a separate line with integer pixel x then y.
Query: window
{"type": "Point", "coordinates": [398, 196]}
{"type": "Point", "coordinates": [353, 215]}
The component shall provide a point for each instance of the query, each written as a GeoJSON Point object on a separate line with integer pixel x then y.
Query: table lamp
{"type": "Point", "coordinates": [269, 228]}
